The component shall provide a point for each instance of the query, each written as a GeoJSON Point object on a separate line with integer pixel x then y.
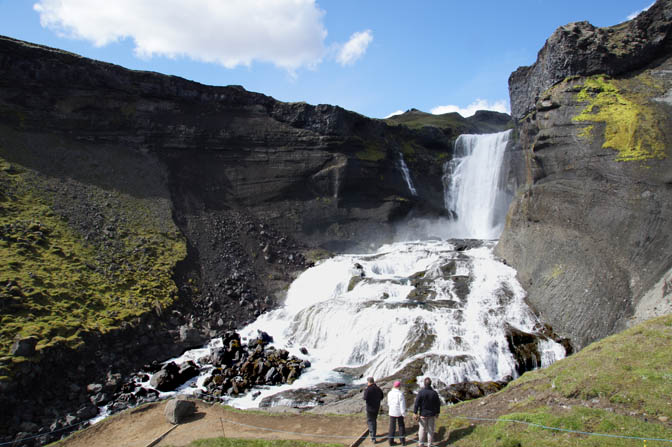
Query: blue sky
{"type": "Point", "coordinates": [373, 57]}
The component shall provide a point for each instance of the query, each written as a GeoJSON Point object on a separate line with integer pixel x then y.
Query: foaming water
{"type": "Point", "coordinates": [413, 303]}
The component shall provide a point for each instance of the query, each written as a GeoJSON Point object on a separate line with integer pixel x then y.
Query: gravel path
{"type": "Point", "coordinates": [140, 426]}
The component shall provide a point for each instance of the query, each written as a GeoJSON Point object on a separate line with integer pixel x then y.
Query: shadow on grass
{"type": "Point", "coordinates": [443, 439]}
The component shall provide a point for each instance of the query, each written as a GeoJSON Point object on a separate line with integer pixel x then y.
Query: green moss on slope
{"type": "Point", "coordinates": [416, 119]}
{"type": "Point", "coordinates": [631, 126]}
{"type": "Point", "coordinates": [632, 368]}
{"type": "Point", "coordinates": [529, 429]}
{"type": "Point", "coordinates": [54, 284]}
{"type": "Point", "coordinates": [619, 386]}
{"type": "Point", "coordinates": [373, 151]}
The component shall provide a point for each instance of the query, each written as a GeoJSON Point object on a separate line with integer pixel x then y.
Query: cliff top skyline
{"type": "Point", "coordinates": [438, 56]}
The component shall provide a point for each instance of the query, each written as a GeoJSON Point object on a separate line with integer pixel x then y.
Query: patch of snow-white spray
{"type": "Point", "coordinates": [355, 311]}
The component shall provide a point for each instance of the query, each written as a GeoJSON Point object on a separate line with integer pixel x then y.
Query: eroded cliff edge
{"type": "Point", "coordinates": [589, 233]}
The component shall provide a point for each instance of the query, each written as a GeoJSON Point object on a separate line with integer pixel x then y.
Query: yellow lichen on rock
{"type": "Point", "coordinates": [631, 126]}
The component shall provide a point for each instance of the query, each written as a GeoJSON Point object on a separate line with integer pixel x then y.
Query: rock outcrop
{"type": "Point", "coordinates": [588, 233]}
{"type": "Point", "coordinates": [179, 410]}
{"type": "Point", "coordinates": [581, 49]}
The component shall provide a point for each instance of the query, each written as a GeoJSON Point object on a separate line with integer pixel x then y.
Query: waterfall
{"type": "Point", "coordinates": [422, 305]}
{"type": "Point", "coordinates": [472, 190]}
{"type": "Point", "coordinates": [406, 174]}
{"type": "Point", "coordinates": [440, 308]}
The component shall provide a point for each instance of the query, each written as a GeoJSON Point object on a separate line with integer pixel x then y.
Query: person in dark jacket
{"type": "Point", "coordinates": [427, 407]}
{"type": "Point", "coordinates": [372, 395]}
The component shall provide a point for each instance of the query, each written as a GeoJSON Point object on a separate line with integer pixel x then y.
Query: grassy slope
{"type": "Point", "coordinates": [54, 284]}
{"type": "Point", "coordinates": [620, 385]}
{"type": "Point", "coordinates": [416, 119]}
{"type": "Point", "coordinates": [233, 442]}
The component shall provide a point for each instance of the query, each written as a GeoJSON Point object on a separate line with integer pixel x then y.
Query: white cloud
{"type": "Point", "coordinates": [398, 112]}
{"type": "Point", "coordinates": [287, 33]}
{"type": "Point", "coordinates": [636, 13]}
{"type": "Point", "coordinates": [355, 47]}
{"type": "Point", "coordinates": [479, 104]}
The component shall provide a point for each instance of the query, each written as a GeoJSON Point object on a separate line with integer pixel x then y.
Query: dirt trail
{"type": "Point", "coordinates": [140, 426]}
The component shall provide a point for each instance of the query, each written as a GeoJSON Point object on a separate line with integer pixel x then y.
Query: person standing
{"type": "Point", "coordinates": [427, 407]}
{"type": "Point", "coordinates": [372, 395]}
{"type": "Point", "coordinates": [397, 405]}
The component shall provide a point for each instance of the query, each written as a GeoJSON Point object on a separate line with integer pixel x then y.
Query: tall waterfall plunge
{"type": "Point", "coordinates": [438, 308]}
{"type": "Point", "coordinates": [471, 184]}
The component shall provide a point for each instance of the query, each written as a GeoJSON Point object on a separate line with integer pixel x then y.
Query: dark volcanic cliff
{"type": "Point", "coordinates": [590, 232]}
{"type": "Point", "coordinates": [141, 213]}
{"type": "Point", "coordinates": [583, 49]}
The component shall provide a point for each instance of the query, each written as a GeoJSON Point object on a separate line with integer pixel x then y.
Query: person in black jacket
{"type": "Point", "coordinates": [427, 407]}
{"type": "Point", "coordinates": [372, 395]}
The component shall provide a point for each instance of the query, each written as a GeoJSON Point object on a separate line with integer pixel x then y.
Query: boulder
{"type": "Point", "coordinates": [305, 398]}
{"type": "Point", "coordinates": [94, 388]}
{"type": "Point", "coordinates": [100, 399]}
{"type": "Point", "coordinates": [525, 349]}
{"type": "Point", "coordinates": [113, 383]}
{"type": "Point", "coordinates": [87, 412]}
{"type": "Point", "coordinates": [24, 347]}
{"type": "Point", "coordinates": [178, 410]}
{"type": "Point", "coordinates": [187, 371]}
{"type": "Point", "coordinates": [463, 391]}
{"type": "Point", "coordinates": [28, 427]}
{"type": "Point", "coordinates": [167, 378]}
{"type": "Point", "coordinates": [190, 336]}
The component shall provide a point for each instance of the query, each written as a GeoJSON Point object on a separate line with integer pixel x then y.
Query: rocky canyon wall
{"type": "Point", "coordinates": [589, 233]}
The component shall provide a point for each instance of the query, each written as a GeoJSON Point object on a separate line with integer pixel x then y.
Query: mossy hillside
{"type": "Point", "coordinates": [372, 151]}
{"type": "Point", "coordinates": [618, 386]}
{"type": "Point", "coordinates": [633, 368]}
{"type": "Point", "coordinates": [631, 124]}
{"type": "Point", "coordinates": [527, 429]}
{"type": "Point", "coordinates": [416, 119]}
{"type": "Point", "coordinates": [54, 284]}
{"type": "Point", "coordinates": [377, 150]}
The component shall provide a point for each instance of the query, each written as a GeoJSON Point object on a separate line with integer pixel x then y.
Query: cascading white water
{"type": "Point", "coordinates": [424, 306]}
{"type": "Point", "coordinates": [472, 190]}
{"type": "Point", "coordinates": [406, 175]}
{"type": "Point", "coordinates": [402, 305]}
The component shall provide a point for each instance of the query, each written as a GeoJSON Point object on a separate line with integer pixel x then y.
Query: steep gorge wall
{"type": "Point", "coordinates": [589, 231]}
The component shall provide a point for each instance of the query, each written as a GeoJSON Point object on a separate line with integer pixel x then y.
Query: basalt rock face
{"type": "Point", "coordinates": [582, 49]}
{"type": "Point", "coordinates": [222, 147]}
{"type": "Point", "coordinates": [588, 233]}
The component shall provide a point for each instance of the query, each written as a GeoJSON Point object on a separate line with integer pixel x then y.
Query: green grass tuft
{"type": "Point", "coordinates": [54, 285]}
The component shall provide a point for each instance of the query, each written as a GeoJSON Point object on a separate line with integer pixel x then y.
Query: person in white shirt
{"type": "Point", "coordinates": [397, 405]}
